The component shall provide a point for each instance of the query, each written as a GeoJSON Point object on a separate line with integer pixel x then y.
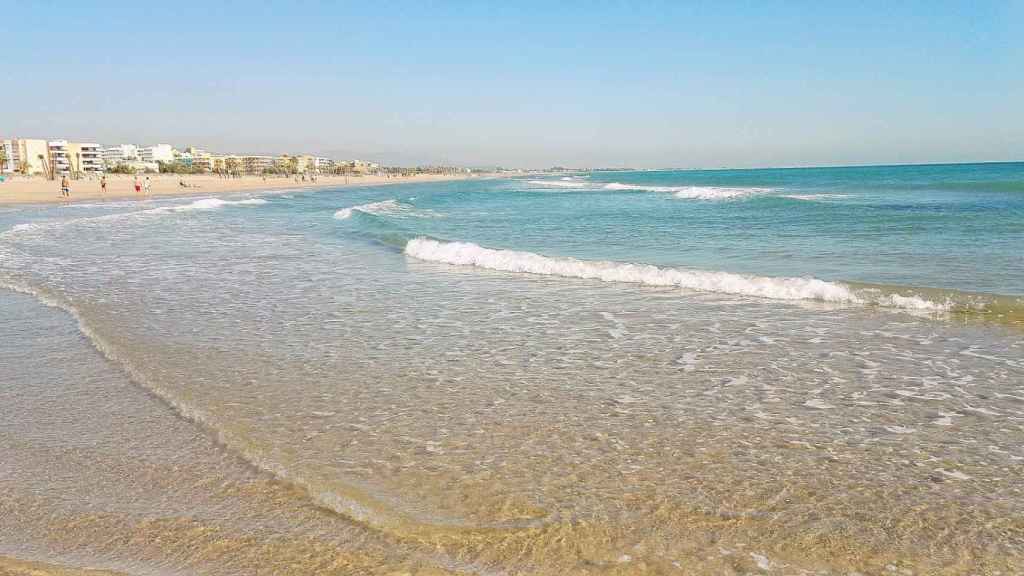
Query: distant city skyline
{"type": "Point", "coordinates": [643, 85]}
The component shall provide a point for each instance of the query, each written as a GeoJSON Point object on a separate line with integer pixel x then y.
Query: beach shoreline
{"type": "Point", "coordinates": [32, 190]}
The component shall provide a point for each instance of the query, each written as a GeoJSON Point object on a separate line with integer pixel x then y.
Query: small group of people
{"type": "Point", "coordinates": [142, 187]}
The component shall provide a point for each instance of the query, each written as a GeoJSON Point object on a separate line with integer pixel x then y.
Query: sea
{"type": "Point", "coordinates": [805, 371]}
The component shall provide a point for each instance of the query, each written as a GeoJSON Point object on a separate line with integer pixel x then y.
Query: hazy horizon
{"type": "Point", "coordinates": [630, 85]}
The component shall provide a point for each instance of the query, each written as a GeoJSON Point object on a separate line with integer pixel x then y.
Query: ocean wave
{"type": "Point", "coordinates": [815, 197]}
{"type": "Point", "coordinates": [559, 183]}
{"type": "Point", "coordinates": [682, 192]}
{"type": "Point", "coordinates": [27, 228]}
{"type": "Point", "coordinates": [469, 254]}
{"type": "Point", "coordinates": [205, 204]}
{"type": "Point", "coordinates": [691, 192]}
{"type": "Point", "coordinates": [390, 207]}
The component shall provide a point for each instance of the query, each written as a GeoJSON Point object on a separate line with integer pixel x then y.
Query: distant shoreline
{"type": "Point", "coordinates": [28, 191]}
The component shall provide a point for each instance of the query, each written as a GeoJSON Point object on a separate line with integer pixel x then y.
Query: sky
{"type": "Point", "coordinates": [527, 84]}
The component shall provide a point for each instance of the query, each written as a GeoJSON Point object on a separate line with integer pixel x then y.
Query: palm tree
{"type": "Point", "coordinates": [46, 167]}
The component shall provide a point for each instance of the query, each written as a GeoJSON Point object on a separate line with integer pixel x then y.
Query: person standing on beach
{"type": "Point", "coordinates": [103, 185]}
{"type": "Point", "coordinates": [149, 186]}
{"type": "Point", "coordinates": [138, 187]}
{"type": "Point", "coordinates": [65, 187]}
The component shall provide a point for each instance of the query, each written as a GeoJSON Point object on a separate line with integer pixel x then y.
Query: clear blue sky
{"type": "Point", "coordinates": [601, 84]}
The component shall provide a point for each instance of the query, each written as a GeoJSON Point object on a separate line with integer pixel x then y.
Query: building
{"type": "Point", "coordinates": [183, 159]}
{"type": "Point", "coordinates": [31, 156]}
{"type": "Point", "coordinates": [230, 164]}
{"type": "Point", "coordinates": [323, 165]}
{"type": "Point", "coordinates": [114, 156]}
{"type": "Point", "coordinates": [85, 157]}
{"type": "Point", "coordinates": [8, 160]}
{"type": "Point", "coordinates": [60, 162]}
{"type": "Point", "coordinates": [257, 164]}
{"type": "Point", "coordinates": [157, 153]}
{"type": "Point", "coordinates": [201, 160]}
{"type": "Point", "coordinates": [51, 158]}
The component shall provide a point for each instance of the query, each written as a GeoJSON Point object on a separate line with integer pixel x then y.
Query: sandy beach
{"type": "Point", "coordinates": [37, 190]}
{"type": "Point", "coordinates": [15, 567]}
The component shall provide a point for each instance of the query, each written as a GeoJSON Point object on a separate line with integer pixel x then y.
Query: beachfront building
{"type": "Point", "coordinates": [85, 157]}
{"type": "Point", "coordinates": [355, 166]}
{"type": "Point", "coordinates": [8, 159]}
{"type": "Point", "coordinates": [201, 160]}
{"type": "Point", "coordinates": [323, 165]}
{"type": "Point", "coordinates": [230, 164]}
{"type": "Point", "coordinates": [58, 157]}
{"type": "Point", "coordinates": [183, 159]}
{"type": "Point", "coordinates": [50, 158]}
{"type": "Point", "coordinates": [286, 164]}
{"type": "Point", "coordinates": [257, 164]}
{"type": "Point", "coordinates": [157, 153]}
{"type": "Point", "coordinates": [114, 156]}
{"type": "Point", "coordinates": [31, 156]}
{"type": "Point", "coordinates": [307, 164]}
{"type": "Point", "coordinates": [227, 164]}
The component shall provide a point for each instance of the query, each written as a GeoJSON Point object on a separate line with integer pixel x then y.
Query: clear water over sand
{"type": "Point", "coordinates": [616, 373]}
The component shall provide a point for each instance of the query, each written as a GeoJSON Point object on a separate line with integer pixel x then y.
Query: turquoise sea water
{"type": "Point", "coordinates": [957, 226]}
{"type": "Point", "coordinates": [792, 371]}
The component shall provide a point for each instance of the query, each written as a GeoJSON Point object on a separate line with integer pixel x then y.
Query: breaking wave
{"type": "Point", "coordinates": [385, 208]}
{"type": "Point", "coordinates": [205, 204]}
{"type": "Point", "coordinates": [692, 192]}
{"type": "Point", "coordinates": [560, 183]}
{"type": "Point", "coordinates": [815, 197]}
{"type": "Point", "coordinates": [684, 192]}
{"type": "Point", "coordinates": [776, 288]}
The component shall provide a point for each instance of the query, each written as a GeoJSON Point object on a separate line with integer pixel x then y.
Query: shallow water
{"type": "Point", "coordinates": [221, 378]}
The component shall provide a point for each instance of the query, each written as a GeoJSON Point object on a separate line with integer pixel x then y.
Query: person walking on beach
{"type": "Point", "coordinates": [138, 187]}
{"type": "Point", "coordinates": [65, 187]}
{"type": "Point", "coordinates": [149, 186]}
{"type": "Point", "coordinates": [103, 185]}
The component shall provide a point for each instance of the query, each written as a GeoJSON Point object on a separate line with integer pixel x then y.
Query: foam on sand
{"type": "Point", "coordinates": [469, 254]}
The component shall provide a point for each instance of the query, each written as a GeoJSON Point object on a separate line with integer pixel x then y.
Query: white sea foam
{"type": "Point", "coordinates": [205, 204]}
{"type": "Point", "coordinates": [390, 207]}
{"type": "Point", "coordinates": [469, 254]}
{"type": "Point", "coordinates": [558, 183]}
{"type": "Point", "coordinates": [35, 228]}
{"type": "Point", "coordinates": [692, 192]}
{"type": "Point", "coordinates": [815, 197]}
{"type": "Point", "coordinates": [683, 192]}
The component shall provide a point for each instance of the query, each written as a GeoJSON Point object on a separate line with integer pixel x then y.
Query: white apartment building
{"type": "Point", "coordinates": [323, 164]}
{"type": "Point", "coordinates": [120, 154]}
{"type": "Point", "coordinates": [59, 162]}
{"type": "Point", "coordinates": [157, 153]}
{"type": "Point", "coordinates": [85, 157]}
